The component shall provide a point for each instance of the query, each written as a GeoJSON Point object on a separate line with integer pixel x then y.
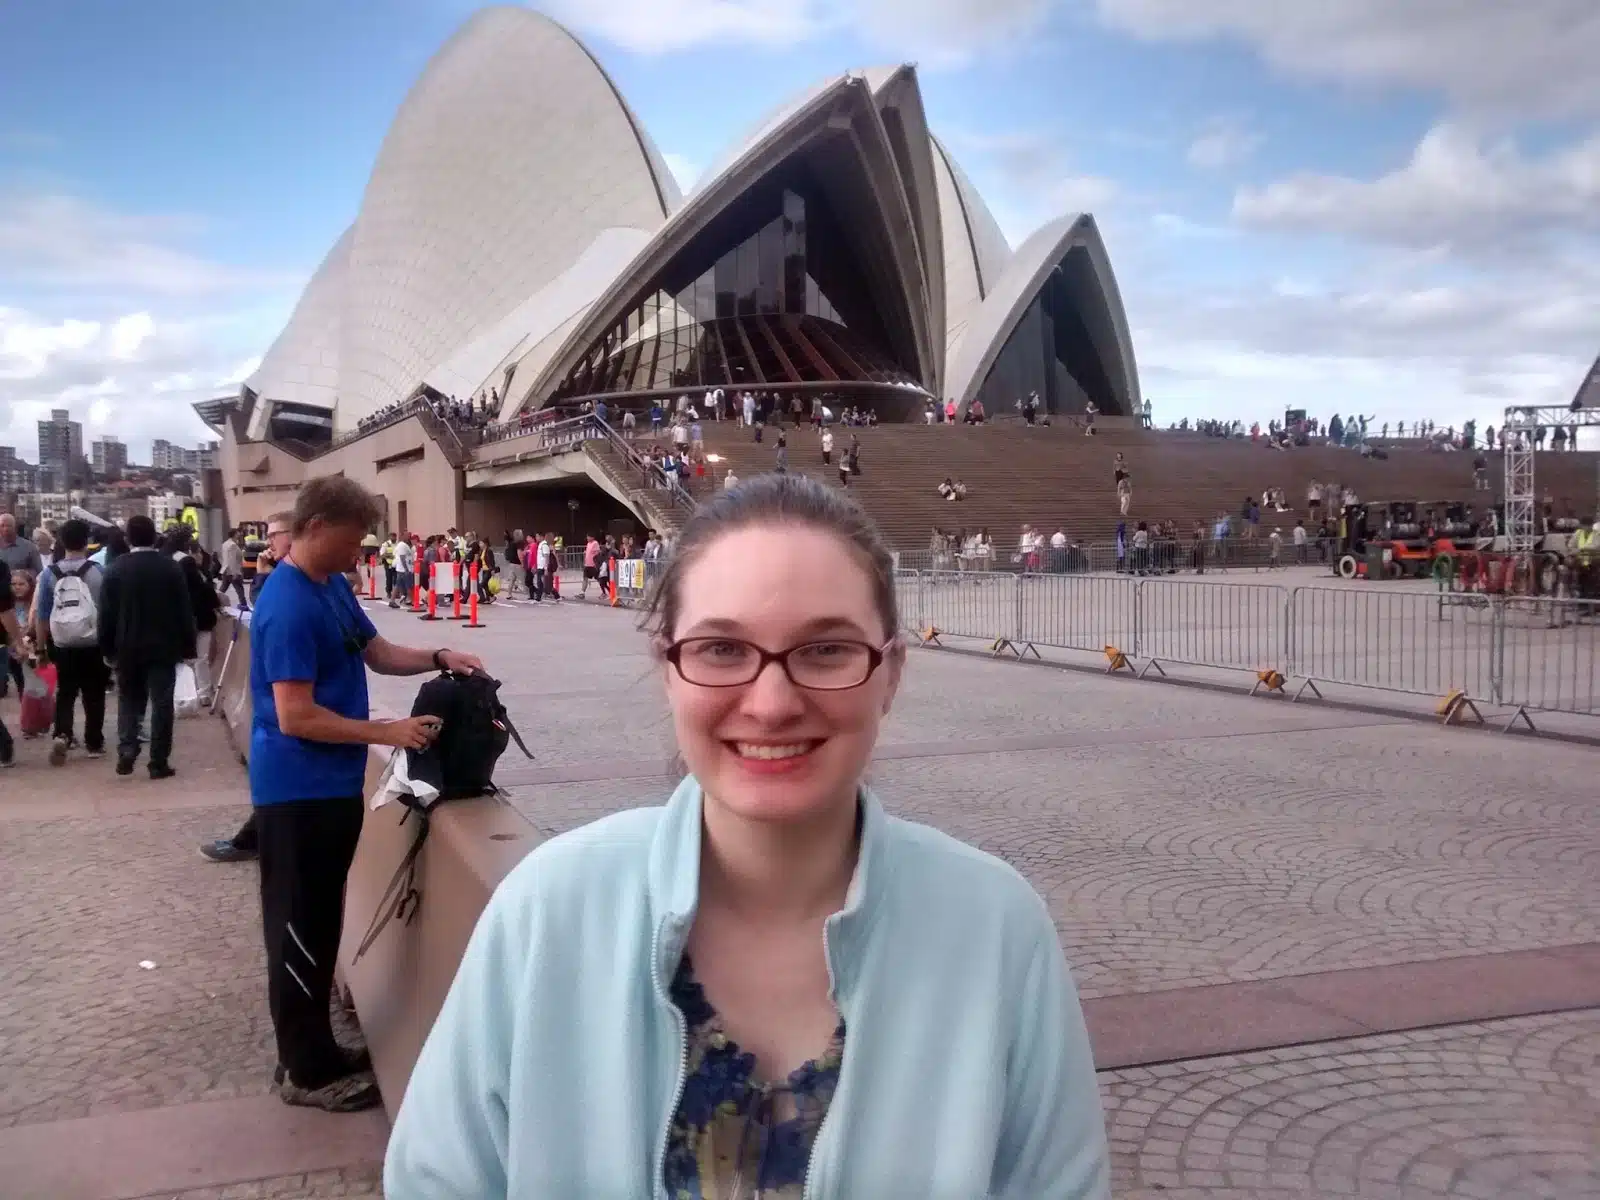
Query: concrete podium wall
{"type": "Point", "coordinates": [400, 983]}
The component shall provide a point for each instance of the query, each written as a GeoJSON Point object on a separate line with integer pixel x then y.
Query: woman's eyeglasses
{"type": "Point", "coordinates": [821, 666]}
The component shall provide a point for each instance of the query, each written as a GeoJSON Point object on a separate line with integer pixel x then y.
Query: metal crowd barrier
{"type": "Point", "coordinates": [1393, 641]}
{"type": "Point", "coordinates": [1159, 559]}
{"type": "Point", "coordinates": [1549, 655]}
{"type": "Point", "coordinates": [1527, 654]}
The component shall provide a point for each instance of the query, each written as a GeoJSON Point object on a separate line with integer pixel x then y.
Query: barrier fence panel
{"type": "Point", "coordinates": [1398, 641]}
{"type": "Point", "coordinates": [1549, 654]}
{"type": "Point", "coordinates": [1521, 652]}
{"type": "Point", "coordinates": [1231, 625]}
{"type": "Point", "coordinates": [978, 605]}
{"type": "Point", "coordinates": [1077, 612]}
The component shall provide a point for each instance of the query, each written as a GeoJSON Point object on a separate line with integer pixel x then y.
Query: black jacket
{"type": "Point", "coordinates": [203, 597]}
{"type": "Point", "coordinates": [146, 617]}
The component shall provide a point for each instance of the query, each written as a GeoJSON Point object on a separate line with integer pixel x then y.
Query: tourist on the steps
{"type": "Point", "coordinates": [769, 985]}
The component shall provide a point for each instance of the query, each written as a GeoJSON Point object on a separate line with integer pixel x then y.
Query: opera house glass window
{"type": "Point", "coordinates": [768, 293]}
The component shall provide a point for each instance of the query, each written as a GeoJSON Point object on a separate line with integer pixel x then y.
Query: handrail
{"type": "Point", "coordinates": [555, 437]}
{"type": "Point", "coordinates": [651, 474]}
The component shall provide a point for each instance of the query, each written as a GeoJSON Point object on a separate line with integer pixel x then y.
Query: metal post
{"type": "Point", "coordinates": [1521, 496]}
{"type": "Point", "coordinates": [1497, 647]}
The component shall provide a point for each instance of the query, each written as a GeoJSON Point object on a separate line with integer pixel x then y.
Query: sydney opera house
{"type": "Point", "coordinates": [521, 234]}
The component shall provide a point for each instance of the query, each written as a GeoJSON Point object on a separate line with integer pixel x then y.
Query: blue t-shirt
{"type": "Point", "coordinates": [309, 632]}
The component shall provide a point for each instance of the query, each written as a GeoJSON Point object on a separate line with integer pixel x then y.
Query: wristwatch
{"type": "Point", "coordinates": [438, 660]}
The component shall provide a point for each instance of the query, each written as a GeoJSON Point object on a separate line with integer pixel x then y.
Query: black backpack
{"type": "Point", "coordinates": [475, 732]}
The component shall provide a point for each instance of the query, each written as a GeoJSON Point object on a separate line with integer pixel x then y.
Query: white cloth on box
{"type": "Point", "coordinates": [396, 781]}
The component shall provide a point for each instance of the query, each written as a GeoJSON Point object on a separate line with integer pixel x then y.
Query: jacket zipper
{"type": "Point", "coordinates": [811, 1159]}
{"type": "Point", "coordinates": [659, 1187]}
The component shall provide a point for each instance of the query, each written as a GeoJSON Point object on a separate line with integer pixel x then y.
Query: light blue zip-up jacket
{"type": "Point", "coordinates": [557, 1060]}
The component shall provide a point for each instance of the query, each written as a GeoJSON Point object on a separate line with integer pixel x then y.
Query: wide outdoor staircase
{"type": "Point", "coordinates": [1054, 476]}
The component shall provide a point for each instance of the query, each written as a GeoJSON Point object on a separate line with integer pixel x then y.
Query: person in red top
{"type": "Point", "coordinates": [591, 565]}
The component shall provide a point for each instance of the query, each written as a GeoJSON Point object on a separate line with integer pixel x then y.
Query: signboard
{"type": "Point", "coordinates": [630, 574]}
{"type": "Point", "coordinates": [444, 578]}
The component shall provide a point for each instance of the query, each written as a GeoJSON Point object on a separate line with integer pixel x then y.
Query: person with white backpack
{"type": "Point", "coordinates": [67, 621]}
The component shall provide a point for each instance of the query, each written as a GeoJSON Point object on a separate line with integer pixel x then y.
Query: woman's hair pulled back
{"type": "Point", "coordinates": [773, 501]}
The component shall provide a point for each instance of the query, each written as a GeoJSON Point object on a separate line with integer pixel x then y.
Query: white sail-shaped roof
{"type": "Point", "coordinates": [975, 251]}
{"type": "Point", "coordinates": [517, 209]}
{"type": "Point", "coordinates": [510, 156]}
{"type": "Point", "coordinates": [992, 322]}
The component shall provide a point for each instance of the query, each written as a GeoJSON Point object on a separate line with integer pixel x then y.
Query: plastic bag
{"type": "Point", "coordinates": [38, 699]}
{"type": "Point", "coordinates": [38, 682]}
{"type": "Point", "coordinates": [185, 692]}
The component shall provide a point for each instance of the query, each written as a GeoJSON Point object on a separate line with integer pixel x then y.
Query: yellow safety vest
{"type": "Point", "coordinates": [1586, 544]}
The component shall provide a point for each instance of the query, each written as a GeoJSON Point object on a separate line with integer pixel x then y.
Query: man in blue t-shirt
{"type": "Point", "coordinates": [311, 645]}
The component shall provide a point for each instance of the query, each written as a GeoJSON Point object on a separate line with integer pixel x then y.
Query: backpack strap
{"type": "Point", "coordinates": [401, 898]}
{"type": "Point", "coordinates": [515, 736]}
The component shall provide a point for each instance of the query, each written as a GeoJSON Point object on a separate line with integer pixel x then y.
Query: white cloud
{"type": "Point", "coordinates": [660, 26]}
{"type": "Point", "coordinates": [943, 30]}
{"type": "Point", "coordinates": [684, 170]}
{"type": "Point", "coordinates": [134, 374]}
{"type": "Point", "coordinates": [1456, 189]}
{"type": "Point", "coordinates": [1532, 56]}
{"type": "Point", "coordinates": [118, 319]}
{"type": "Point", "coordinates": [58, 242]}
{"type": "Point", "coordinates": [1222, 144]}
{"type": "Point", "coordinates": [1404, 340]}
{"type": "Point", "coordinates": [128, 334]}
{"type": "Point", "coordinates": [1034, 179]}
{"type": "Point", "coordinates": [1174, 225]}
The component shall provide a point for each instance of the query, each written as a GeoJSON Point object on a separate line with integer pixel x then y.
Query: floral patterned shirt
{"type": "Point", "coordinates": [734, 1137]}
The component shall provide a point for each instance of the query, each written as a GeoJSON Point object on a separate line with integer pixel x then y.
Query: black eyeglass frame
{"type": "Point", "coordinates": [875, 659]}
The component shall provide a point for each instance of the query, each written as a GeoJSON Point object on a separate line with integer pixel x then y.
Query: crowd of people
{"type": "Point", "coordinates": [128, 617]}
{"type": "Point", "coordinates": [471, 416]}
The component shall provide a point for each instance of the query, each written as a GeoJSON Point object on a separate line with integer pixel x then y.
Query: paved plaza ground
{"type": "Point", "coordinates": [1323, 951]}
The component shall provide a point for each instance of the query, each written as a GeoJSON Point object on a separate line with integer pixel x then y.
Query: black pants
{"type": "Point", "coordinates": [249, 836]}
{"type": "Point", "coordinates": [306, 850]}
{"type": "Point", "coordinates": [81, 672]}
{"type": "Point", "coordinates": [142, 685]}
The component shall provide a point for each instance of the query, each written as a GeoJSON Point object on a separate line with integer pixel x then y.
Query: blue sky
{"type": "Point", "coordinates": [1345, 207]}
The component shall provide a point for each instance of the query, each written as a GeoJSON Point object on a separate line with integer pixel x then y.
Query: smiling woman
{"type": "Point", "coordinates": [769, 987]}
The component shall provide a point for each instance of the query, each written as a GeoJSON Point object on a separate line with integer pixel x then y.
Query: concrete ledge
{"type": "Point", "coordinates": [399, 985]}
{"type": "Point", "coordinates": [401, 982]}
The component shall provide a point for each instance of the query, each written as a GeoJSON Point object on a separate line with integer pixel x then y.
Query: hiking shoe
{"type": "Point", "coordinates": [58, 751]}
{"type": "Point", "coordinates": [226, 850]}
{"type": "Point", "coordinates": [359, 1062]}
{"type": "Point", "coordinates": [124, 766]}
{"type": "Point", "coordinates": [161, 771]}
{"type": "Point", "coordinates": [353, 1093]}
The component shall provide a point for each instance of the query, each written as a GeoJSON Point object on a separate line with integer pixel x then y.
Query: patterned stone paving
{"type": "Point", "coordinates": [1182, 837]}
{"type": "Point", "coordinates": [1503, 1111]}
{"type": "Point", "coordinates": [351, 1183]}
